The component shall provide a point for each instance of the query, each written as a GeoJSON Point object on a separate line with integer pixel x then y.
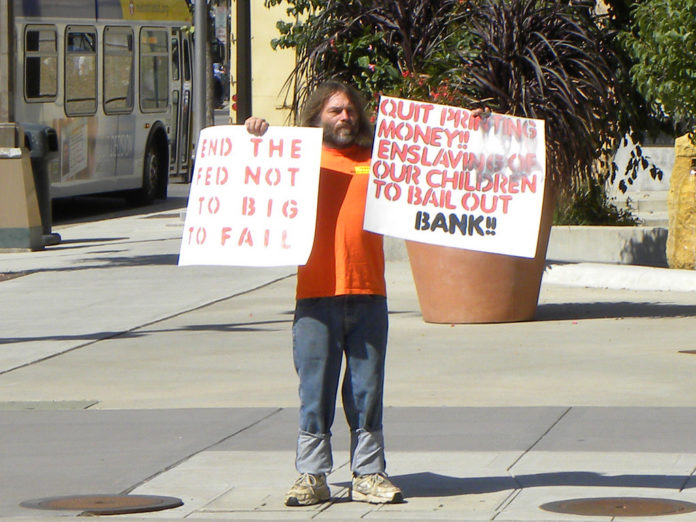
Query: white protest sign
{"type": "Point", "coordinates": [441, 176]}
{"type": "Point", "coordinates": [253, 200]}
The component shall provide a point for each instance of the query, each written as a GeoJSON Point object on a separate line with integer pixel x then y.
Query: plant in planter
{"type": "Point", "coordinates": [588, 204]}
{"type": "Point", "coordinates": [378, 47]}
{"type": "Point", "coordinates": [545, 59]}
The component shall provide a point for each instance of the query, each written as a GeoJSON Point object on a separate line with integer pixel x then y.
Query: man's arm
{"type": "Point", "coordinates": [256, 126]}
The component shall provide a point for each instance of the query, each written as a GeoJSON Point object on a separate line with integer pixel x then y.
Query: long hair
{"type": "Point", "coordinates": [311, 111]}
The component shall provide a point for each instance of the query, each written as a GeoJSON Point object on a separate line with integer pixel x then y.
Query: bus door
{"type": "Point", "coordinates": [119, 79]}
{"type": "Point", "coordinates": [181, 102]}
{"type": "Point", "coordinates": [176, 103]}
{"type": "Point", "coordinates": [83, 148]}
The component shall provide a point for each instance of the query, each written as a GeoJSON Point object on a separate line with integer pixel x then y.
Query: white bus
{"type": "Point", "coordinates": [104, 86]}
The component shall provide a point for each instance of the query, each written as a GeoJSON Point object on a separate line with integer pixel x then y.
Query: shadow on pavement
{"type": "Point", "coordinates": [83, 209]}
{"type": "Point", "coordinates": [59, 246]}
{"type": "Point", "coordinates": [611, 310]}
{"type": "Point", "coordinates": [154, 259]}
{"type": "Point", "coordinates": [92, 263]}
{"type": "Point", "coordinates": [258, 326]}
{"type": "Point", "coordinates": [427, 484]}
{"type": "Point", "coordinates": [94, 336]}
{"type": "Point", "coordinates": [234, 327]}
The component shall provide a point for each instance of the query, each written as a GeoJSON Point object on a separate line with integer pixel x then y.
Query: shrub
{"type": "Point", "coordinates": [586, 203]}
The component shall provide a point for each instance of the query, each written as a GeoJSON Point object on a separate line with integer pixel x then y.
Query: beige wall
{"type": "Point", "coordinates": [270, 68]}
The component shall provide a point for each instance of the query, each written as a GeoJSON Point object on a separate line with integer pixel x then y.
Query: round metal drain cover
{"type": "Point", "coordinates": [105, 504]}
{"type": "Point", "coordinates": [620, 506]}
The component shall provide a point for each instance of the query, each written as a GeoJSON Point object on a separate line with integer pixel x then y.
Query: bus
{"type": "Point", "coordinates": [107, 86]}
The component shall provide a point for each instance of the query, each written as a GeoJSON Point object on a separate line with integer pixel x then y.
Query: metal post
{"type": "Point", "coordinates": [7, 59]}
{"type": "Point", "coordinates": [243, 60]}
{"type": "Point", "coordinates": [200, 70]}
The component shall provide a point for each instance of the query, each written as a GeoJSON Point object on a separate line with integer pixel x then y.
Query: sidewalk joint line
{"type": "Point", "coordinates": [506, 502]}
{"type": "Point", "coordinates": [115, 335]}
{"type": "Point", "coordinates": [209, 502]}
{"type": "Point", "coordinates": [206, 448]}
{"type": "Point", "coordinates": [559, 419]}
{"type": "Point", "coordinates": [686, 481]}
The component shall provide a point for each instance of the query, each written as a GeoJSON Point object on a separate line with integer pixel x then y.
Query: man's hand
{"type": "Point", "coordinates": [482, 113]}
{"type": "Point", "coordinates": [256, 126]}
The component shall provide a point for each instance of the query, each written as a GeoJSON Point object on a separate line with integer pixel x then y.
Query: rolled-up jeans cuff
{"type": "Point", "coordinates": [367, 452]}
{"type": "Point", "coordinates": [313, 453]}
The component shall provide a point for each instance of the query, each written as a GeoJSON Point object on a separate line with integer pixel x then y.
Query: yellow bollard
{"type": "Point", "coordinates": [20, 220]}
{"type": "Point", "coordinates": [681, 204]}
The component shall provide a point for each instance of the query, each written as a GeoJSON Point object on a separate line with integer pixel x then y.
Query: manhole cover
{"type": "Point", "coordinates": [620, 506]}
{"type": "Point", "coordinates": [105, 504]}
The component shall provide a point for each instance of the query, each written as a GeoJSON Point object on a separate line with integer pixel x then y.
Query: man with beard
{"type": "Point", "coordinates": [340, 309]}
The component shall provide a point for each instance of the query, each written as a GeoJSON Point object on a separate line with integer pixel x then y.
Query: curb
{"type": "Point", "coordinates": [645, 246]}
{"type": "Point", "coordinates": [621, 277]}
{"type": "Point", "coordinates": [618, 258]}
{"type": "Point", "coordinates": [639, 245]}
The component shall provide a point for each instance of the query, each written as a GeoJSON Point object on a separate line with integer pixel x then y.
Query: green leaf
{"type": "Point", "coordinates": [363, 61]}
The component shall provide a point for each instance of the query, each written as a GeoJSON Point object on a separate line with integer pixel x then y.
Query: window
{"type": "Point", "coordinates": [187, 62]}
{"type": "Point", "coordinates": [118, 70]}
{"type": "Point", "coordinates": [40, 64]}
{"type": "Point", "coordinates": [175, 57]}
{"type": "Point", "coordinates": [154, 69]}
{"type": "Point", "coordinates": [80, 71]}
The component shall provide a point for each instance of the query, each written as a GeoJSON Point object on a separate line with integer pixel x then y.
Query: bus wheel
{"type": "Point", "coordinates": [151, 178]}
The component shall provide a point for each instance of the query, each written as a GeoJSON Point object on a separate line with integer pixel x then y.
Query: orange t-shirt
{"type": "Point", "coordinates": [345, 259]}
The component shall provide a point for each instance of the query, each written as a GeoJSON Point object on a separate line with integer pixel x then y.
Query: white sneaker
{"type": "Point", "coordinates": [375, 488]}
{"type": "Point", "coordinates": [307, 490]}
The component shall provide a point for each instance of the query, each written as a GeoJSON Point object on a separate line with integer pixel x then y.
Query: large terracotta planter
{"type": "Point", "coordinates": [465, 286]}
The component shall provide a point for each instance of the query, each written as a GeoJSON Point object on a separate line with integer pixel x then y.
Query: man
{"type": "Point", "coordinates": [340, 309]}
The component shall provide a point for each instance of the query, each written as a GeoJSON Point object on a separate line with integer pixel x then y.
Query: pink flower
{"type": "Point", "coordinates": [371, 67]}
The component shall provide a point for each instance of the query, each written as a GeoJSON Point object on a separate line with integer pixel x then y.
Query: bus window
{"type": "Point", "coordinates": [154, 69]}
{"type": "Point", "coordinates": [187, 62]}
{"type": "Point", "coordinates": [80, 71]}
{"type": "Point", "coordinates": [175, 56]}
{"type": "Point", "coordinates": [118, 70]}
{"type": "Point", "coordinates": [40, 64]}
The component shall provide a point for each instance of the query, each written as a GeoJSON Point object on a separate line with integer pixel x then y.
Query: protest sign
{"type": "Point", "coordinates": [253, 199]}
{"type": "Point", "coordinates": [442, 176]}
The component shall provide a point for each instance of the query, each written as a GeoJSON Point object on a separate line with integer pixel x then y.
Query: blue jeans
{"type": "Point", "coordinates": [324, 329]}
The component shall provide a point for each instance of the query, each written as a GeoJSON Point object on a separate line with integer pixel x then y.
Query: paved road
{"type": "Point", "coordinates": [123, 373]}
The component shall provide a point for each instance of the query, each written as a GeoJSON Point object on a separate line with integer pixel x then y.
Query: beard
{"type": "Point", "coordinates": [340, 136]}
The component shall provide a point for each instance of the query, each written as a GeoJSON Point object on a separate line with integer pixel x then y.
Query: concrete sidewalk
{"type": "Point", "coordinates": [120, 372]}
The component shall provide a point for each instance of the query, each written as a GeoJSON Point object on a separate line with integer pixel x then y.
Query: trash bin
{"type": "Point", "coordinates": [681, 204]}
{"type": "Point", "coordinates": [42, 142]}
{"type": "Point", "coordinates": [20, 222]}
